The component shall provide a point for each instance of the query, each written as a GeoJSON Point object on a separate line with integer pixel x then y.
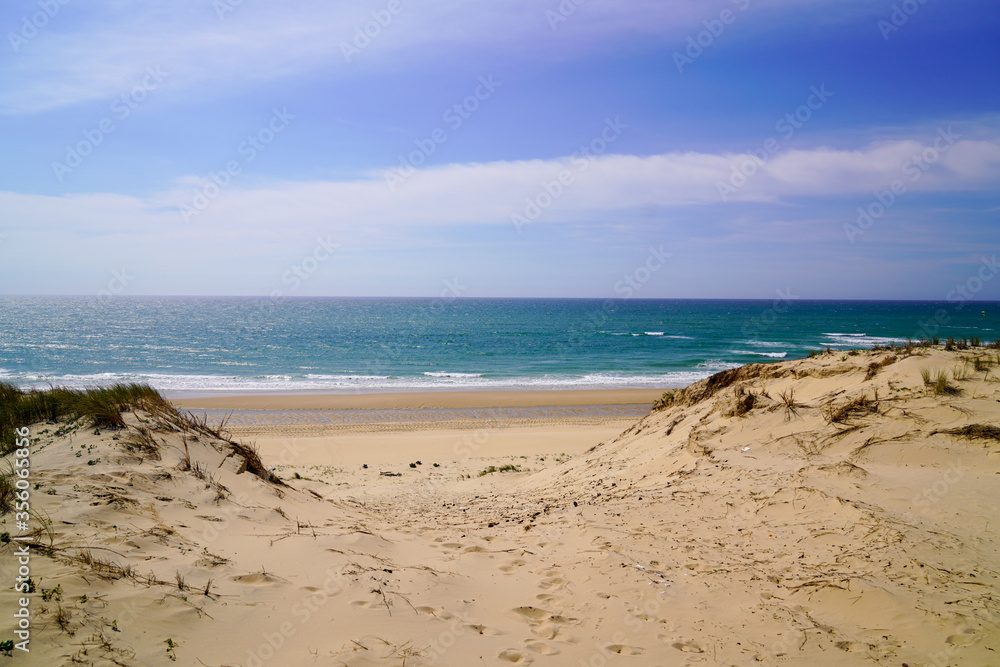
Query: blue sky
{"type": "Point", "coordinates": [514, 149]}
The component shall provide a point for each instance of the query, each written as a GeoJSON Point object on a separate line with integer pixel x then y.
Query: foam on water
{"type": "Point", "coordinates": [234, 345]}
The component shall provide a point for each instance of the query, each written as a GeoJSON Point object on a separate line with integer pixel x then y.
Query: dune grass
{"type": "Point", "coordinates": [509, 467]}
{"type": "Point", "coordinates": [101, 406]}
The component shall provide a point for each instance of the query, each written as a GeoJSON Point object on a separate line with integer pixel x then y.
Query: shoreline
{"type": "Point", "coordinates": [424, 400]}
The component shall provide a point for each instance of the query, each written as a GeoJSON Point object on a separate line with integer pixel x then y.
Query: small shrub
{"type": "Point", "coordinates": [413, 465]}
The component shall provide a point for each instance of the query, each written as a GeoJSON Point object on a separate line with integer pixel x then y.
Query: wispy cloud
{"type": "Point", "coordinates": [89, 52]}
{"type": "Point", "coordinates": [492, 193]}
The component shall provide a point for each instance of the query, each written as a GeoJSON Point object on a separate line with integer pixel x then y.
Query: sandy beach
{"type": "Point", "coordinates": [426, 399]}
{"type": "Point", "coordinates": [834, 510]}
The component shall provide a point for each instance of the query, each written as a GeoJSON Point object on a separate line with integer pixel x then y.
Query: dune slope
{"type": "Point", "coordinates": [832, 510]}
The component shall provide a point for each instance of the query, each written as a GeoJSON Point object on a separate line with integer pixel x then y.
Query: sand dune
{"type": "Point", "coordinates": [826, 511]}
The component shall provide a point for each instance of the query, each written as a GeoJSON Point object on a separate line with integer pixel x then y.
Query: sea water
{"type": "Point", "coordinates": [204, 345]}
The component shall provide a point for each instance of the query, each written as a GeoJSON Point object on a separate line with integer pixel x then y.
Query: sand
{"type": "Point", "coordinates": [718, 529]}
{"type": "Point", "coordinates": [426, 399]}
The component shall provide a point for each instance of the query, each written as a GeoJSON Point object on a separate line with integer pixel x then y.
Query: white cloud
{"type": "Point", "coordinates": [490, 193]}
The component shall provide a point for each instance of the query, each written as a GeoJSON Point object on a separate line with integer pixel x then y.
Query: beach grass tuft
{"type": "Point", "coordinates": [942, 386]}
{"type": "Point", "coordinates": [7, 489]}
{"type": "Point", "coordinates": [509, 467]}
{"type": "Point", "coordinates": [101, 406]}
{"type": "Point", "coordinates": [788, 401]}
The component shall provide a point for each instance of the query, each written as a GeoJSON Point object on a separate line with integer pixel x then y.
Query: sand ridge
{"type": "Point", "coordinates": [843, 515]}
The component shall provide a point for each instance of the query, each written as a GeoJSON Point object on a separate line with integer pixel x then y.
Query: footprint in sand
{"type": "Point", "coordinates": [511, 566]}
{"type": "Point", "coordinates": [543, 623]}
{"type": "Point", "coordinates": [533, 613]}
{"type": "Point", "coordinates": [545, 630]}
{"type": "Point", "coordinates": [622, 649]}
{"type": "Point", "coordinates": [541, 648]}
{"type": "Point", "coordinates": [552, 582]}
{"type": "Point", "coordinates": [514, 656]}
{"type": "Point", "coordinates": [965, 638]}
{"type": "Point", "coordinates": [434, 611]}
{"type": "Point", "coordinates": [688, 646]}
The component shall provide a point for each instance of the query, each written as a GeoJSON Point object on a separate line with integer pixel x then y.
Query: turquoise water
{"type": "Point", "coordinates": [185, 345]}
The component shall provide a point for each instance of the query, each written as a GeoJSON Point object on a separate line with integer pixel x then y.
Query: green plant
{"type": "Point", "coordinates": [7, 646]}
{"type": "Point", "coordinates": [437, 465]}
{"type": "Point", "coordinates": [925, 375]}
{"type": "Point", "coordinates": [48, 594]}
{"type": "Point", "coordinates": [101, 407]}
{"type": "Point", "coordinates": [413, 465]}
{"type": "Point", "coordinates": [365, 466]}
{"type": "Point", "coordinates": [7, 489]}
{"type": "Point", "coordinates": [669, 397]}
{"type": "Point", "coordinates": [941, 384]}
{"type": "Point", "coordinates": [170, 649]}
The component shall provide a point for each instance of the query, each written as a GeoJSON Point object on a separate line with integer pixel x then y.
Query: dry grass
{"type": "Point", "coordinates": [859, 406]}
{"type": "Point", "coordinates": [744, 401]}
{"type": "Point", "coordinates": [787, 398]}
{"type": "Point", "coordinates": [63, 617]}
{"type": "Point", "coordinates": [105, 568]}
{"type": "Point", "coordinates": [973, 431]}
{"type": "Point", "coordinates": [875, 366]}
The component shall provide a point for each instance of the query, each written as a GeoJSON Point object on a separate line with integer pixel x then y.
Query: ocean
{"type": "Point", "coordinates": [189, 346]}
